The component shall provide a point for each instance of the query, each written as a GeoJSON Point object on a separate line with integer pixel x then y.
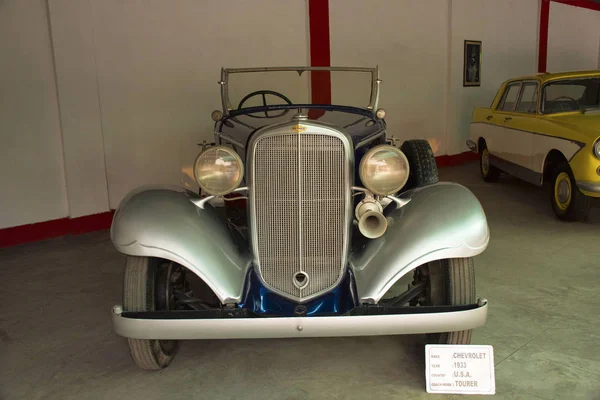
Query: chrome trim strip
{"type": "Point", "coordinates": [588, 186]}
{"type": "Point", "coordinates": [300, 260]}
{"type": "Point", "coordinates": [298, 327]}
{"type": "Point", "coordinates": [284, 129]}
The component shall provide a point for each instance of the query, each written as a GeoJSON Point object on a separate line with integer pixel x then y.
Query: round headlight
{"type": "Point", "coordinates": [384, 170]}
{"type": "Point", "coordinates": [218, 170]}
{"type": "Point", "coordinates": [597, 148]}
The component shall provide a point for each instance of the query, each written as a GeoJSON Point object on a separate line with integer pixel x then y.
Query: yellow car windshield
{"type": "Point", "coordinates": [571, 95]}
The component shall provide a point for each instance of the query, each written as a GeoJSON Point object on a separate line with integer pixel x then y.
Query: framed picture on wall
{"type": "Point", "coordinates": [472, 64]}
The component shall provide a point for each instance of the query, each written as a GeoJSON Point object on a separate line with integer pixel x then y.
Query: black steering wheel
{"type": "Point", "coordinates": [567, 98]}
{"type": "Point", "coordinates": [264, 93]}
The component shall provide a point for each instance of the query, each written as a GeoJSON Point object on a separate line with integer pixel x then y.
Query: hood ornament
{"type": "Point", "coordinates": [300, 116]}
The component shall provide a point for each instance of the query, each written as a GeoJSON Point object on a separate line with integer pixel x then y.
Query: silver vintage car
{"type": "Point", "coordinates": [306, 218]}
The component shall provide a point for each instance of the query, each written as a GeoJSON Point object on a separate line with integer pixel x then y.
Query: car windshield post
{"type": "Point", "coordinates": [225, 72]}
{"type": "Point", "coordinates": [527, 102]}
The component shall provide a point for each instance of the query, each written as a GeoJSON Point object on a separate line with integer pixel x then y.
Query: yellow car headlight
{"type": "Point", "coordinates": [597, 148]}
{"type": "Point", "coordinates": [218, 170]}
{"type": "Point", "coordinates": [384, 170]}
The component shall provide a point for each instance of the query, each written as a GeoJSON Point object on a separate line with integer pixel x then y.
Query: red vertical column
{"type": "Point", "coordinates": [543, 44]}
{"type": "Point", "coordinates": [318, 15]}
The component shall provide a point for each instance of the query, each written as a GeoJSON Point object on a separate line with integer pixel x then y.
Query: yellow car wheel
{"type": "Point", "coordinates": [489, 173]}
{"type": "Point", "coordinates": [568, 202]}
{"type": "Point", "coordinates": [563, 191]}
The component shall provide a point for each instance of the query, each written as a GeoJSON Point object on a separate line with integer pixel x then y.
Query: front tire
{"type": "Point", "coordinates": [568, 203]}
{"type": "Point", "coordinates": [450, 282]}
{"type": "Point", "coordinates": [141, 293]}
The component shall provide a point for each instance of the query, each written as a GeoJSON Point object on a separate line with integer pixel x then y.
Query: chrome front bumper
{"type": "Point", "coordinates": [472, 145]}
{"type": "Point", "coordinates": [297, 327]}
{"type": "Point", "coordinates": [593, 187]}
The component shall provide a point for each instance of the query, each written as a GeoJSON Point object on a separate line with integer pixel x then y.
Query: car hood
{"type": "Point", "coordinates": [585, 127]}
{"type": "Point", "coordinates": [359, 124]}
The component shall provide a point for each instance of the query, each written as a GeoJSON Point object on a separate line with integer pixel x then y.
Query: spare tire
{"type": "Point", "coordinates": [423, 169]}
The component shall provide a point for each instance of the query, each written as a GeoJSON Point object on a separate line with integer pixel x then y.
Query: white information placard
{"type": "Point", "coordinates": [459, 369]}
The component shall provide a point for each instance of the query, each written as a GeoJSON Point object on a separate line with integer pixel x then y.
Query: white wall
{"type": "Point", "coordinates": [509, 32]}
{"type": "Point", "coordinates": [158, 65]}
{"type": "Point", "coordinates": [407, 39]}
{"type": "Point", "coordinates": [32, 181]}
{"type": "Point", "coordinates": [76, 73]}
{"type": "Point", "coordinates": [573, 38]}
{"type": "Point", "coordinates": [137, 82]}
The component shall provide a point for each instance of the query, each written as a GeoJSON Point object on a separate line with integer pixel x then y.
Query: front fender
{"type": "Point", "coordinates": [441, 221]}
{"type": "Point", "coordinates": [166, 224]}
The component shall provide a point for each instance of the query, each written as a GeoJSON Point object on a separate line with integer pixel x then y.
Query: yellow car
{"type": "Point", "coordinates": [545, 128]}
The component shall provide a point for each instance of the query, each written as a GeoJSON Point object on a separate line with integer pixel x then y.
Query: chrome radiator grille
{"type": "Point", "coordinates": [300, 196]}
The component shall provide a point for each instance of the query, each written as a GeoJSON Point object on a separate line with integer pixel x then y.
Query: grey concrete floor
{"type": "Point", "coordinates": [541, 276]}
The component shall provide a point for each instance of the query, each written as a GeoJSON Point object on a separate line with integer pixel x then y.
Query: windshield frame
{"type": "Point", "coordinates": [554, 81]}
{"type": "Point", "coordinates": [225, 72]}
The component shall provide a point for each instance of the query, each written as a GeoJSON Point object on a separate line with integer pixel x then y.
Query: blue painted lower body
{"type": "Point", "coordinates": [262, 300]}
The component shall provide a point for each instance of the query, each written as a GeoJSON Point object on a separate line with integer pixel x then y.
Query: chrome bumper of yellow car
{"type": "Point", "coordinates": [183, 325]}
{"type": "Point", "coordinates": [472, 146]}
{"type": "Point", "coordinates": [589, 188]}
